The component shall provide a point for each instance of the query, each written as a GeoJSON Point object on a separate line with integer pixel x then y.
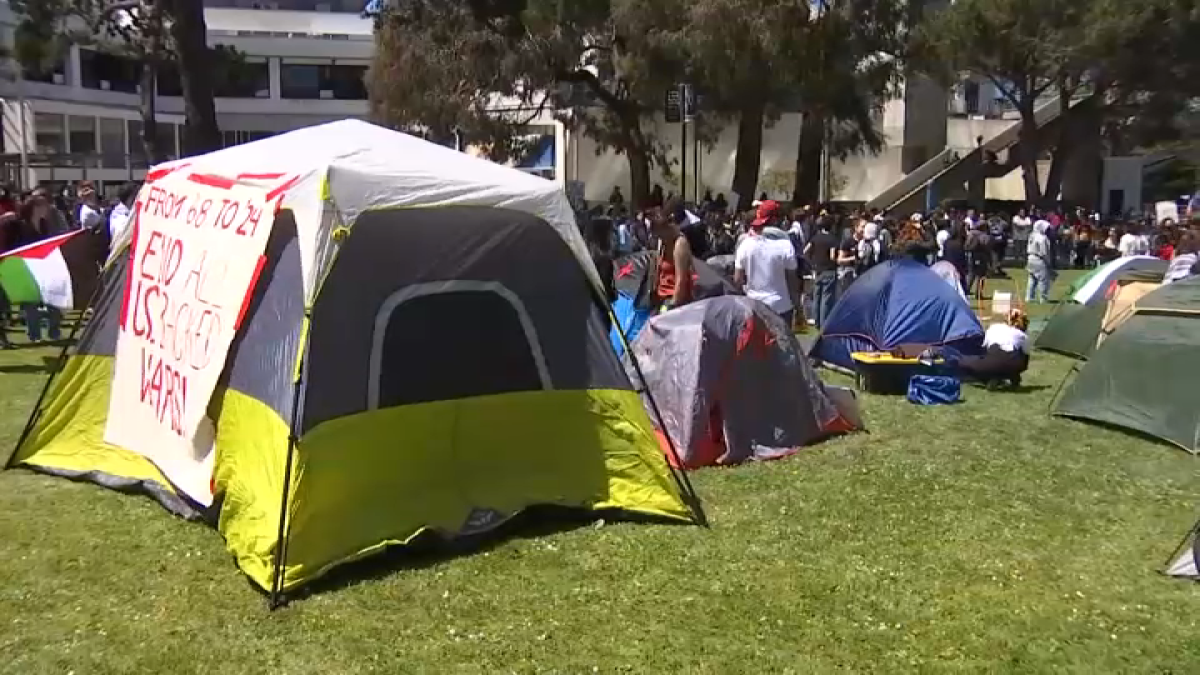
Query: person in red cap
{"type": "Point", "coordinates": [765, 263]}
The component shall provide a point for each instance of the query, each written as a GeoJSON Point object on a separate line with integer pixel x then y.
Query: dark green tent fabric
{"type": "Point", "coordinates": [1074, 329]}
{"type": "Point", "coordinates": [1144, 377]}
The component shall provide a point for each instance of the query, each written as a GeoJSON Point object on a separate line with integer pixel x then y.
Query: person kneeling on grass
{"type": "Point", "coordinates": [1006, 353]}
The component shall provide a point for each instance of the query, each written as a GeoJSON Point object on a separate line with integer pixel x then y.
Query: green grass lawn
{"type": "Point", "coordinates": [985, 537]}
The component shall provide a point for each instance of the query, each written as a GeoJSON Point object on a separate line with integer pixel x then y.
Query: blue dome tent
{"type": "Point", "coordinates": [896, 303]}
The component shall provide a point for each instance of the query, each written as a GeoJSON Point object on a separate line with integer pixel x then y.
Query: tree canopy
{"type": "Point", "coordinates": [604, 65]}
{"type": "Point", "coordinates": [150, 32]}
{"type": "Point", "coordinates": [1104, 58]}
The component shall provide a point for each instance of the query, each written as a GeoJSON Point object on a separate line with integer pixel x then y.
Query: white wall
{"type": "Point", "coordinates": [1122, 174]}
{"type": "Point", "coordinates": [857, 179]}
{"type": "Point", "coordinates": [962, 133]}
{"type": "Point", "coordinates": [601, 171]}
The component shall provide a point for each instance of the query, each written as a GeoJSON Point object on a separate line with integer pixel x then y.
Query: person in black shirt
{"type": "Point", "coordinates": [821, 253]}
{"type": "Point", "coordinates": [600, 235]}
{"type": "Point", "coordinates": [955, 252]}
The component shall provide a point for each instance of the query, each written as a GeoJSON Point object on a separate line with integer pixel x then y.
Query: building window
{"type": "Point", "coordinates": [345, 81]}
{"type": "Point", "coordinates": [971, 93]}
{"type": "Point", "coordinates": [50, 73]}
{"type": "Point", "coordinates": [168, 81]}
{"type": "Point", "coordinates": [137, 148]}
{"type": "Point", "coordinates": [81, 134]}
{"type": "Point", "coordinates": [50, 137]}
{"type": "Point", "coordinates": [109, 72]}
{"type": "Point", "coordinates": [112, 141]}
{"type": "Point", "coordinates": [166, 137]}
{"type": "Point", "coordinates": [232, 138]}
{"type": "Point", "coordinates": [247, 79]}
{"type": "Point", "coordinates": [300, 80]}
{"type": "Point", "coordinates": [325, 81]}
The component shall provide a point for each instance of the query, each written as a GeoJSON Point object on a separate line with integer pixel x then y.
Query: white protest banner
{"type": "Point", "coordinates": [196, 253]}
{"type": "Point", "coordinates": [1166, 211]}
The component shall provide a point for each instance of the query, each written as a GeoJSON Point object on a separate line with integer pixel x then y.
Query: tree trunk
{"type": "Point", "coordinates": [1060, 159]}
{"type": "Point", "coordinates": [150, 140]}
{"type": "Point", "coordinates": [639, 174]}
{"type": "Point", "coordinates": [748, 160]}
{"type": "Point", "coordinates": [190, 33]}
{"type": "Point", "coordinates": [1083, 177]}
{"type": "Point", "coordinates": [636, 149]}
{"type": "Point", "coordinates": [1030, 149]}
{"type": "Point", "coordinates": [808, 160]}
{"type": "Point", "coordinates": [1054, 177]}
{"type": "Point", "coordinates": [1062, 147]}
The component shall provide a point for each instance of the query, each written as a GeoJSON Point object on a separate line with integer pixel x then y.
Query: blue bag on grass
{"type": "Point", "coordinates": [934, 390]}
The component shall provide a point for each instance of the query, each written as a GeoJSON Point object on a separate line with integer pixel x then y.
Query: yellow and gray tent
{"type": "Point", "coordinates": [425, 352]}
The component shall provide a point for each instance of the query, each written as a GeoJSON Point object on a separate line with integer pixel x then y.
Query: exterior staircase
{"type": "Point", "coordinates": [950, 169]}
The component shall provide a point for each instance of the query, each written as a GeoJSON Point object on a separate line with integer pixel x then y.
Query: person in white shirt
{"type": "Point", "coordinates": [1007, 338]}
{"type": "Point", "coordinates": [1133, 242]}
{"type": "Point", "coordinates": [765, 264]}
{"type": "Point", "coordinates": [1006, 353]}
{"type": "Point", "coordinates": [118, 217]}
{"type": "Point", "coordinates": [1022, 227]}
{"type": "Point", "coordinates": [1144, 245]}
{"type": "Point", "coordinates": [799, 238]}
{"type": "Point", "coordinates": [91, 214]}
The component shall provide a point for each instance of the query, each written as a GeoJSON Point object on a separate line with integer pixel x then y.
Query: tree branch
{"type": "Point", "coordinates": [129, 6]}
{"type": "Point", "coordinates": [541, 108]}
{"type": "Point", "coordinates": [610, 99]}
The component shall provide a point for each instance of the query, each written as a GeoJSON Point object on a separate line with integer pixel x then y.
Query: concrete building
{"type": "Point", "coordinates": [305, 62]}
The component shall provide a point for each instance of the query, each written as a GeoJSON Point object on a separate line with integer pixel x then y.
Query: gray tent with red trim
{"type": "Point", "coordinates": [733, 384]}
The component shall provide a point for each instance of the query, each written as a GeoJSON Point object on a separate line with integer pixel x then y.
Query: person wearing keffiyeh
{"type": "Point", "coordinates": [870, 249]}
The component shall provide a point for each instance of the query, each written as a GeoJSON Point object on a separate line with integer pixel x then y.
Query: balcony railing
{"type": "Point", "coordinates": [78, 160]}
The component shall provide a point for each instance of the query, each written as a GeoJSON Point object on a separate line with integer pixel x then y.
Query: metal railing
{"type": "Point", "coordinates": [918, 179]}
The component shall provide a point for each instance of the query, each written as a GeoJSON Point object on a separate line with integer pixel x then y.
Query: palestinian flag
{"type": "Point", "coordinates": [61, 271]}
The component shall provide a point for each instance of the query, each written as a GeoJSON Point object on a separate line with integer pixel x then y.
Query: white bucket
{"type": "Point", "coordinates": [1001, 303]}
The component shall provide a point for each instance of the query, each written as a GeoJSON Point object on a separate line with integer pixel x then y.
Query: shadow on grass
{"type": "Point", "coordinates": [1132, 434]}
{"type": "Point", "coordinates": [1019, 389]}
{"type": "Point", "coordinates": [431, 549]}
{"type": "Point", "coordinates": [47, 366]}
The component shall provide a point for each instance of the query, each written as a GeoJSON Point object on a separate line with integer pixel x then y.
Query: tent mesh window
{"type": "Point", "coordinates": [473, 344]}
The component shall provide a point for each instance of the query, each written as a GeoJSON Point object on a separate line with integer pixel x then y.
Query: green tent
{"type": "Point", "coordinates": [1075, 326]}
{"type": "Point", "coordinates": [1143, 377]}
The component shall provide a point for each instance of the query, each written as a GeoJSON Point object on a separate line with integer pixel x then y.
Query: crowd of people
{"type": "Point", "coordinates": [798, 261]}
{"type": "Point", "coordinates": [39, 214]}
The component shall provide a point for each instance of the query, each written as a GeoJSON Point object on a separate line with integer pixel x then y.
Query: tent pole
{"type": "Point", "coordinates": [1062, 385]}
{"type": "Point", "coordinates": [36, 413]}
{"type": "Point", "coordinates": [277, 599]}
{"type": "Point", "coordinates": [1180, 546]}
{"type": "Point", "coordinates": [679, 474]}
